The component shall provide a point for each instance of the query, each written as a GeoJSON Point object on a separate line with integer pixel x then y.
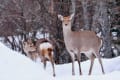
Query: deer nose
{"type": "Point", "coordinates": [65, 24]}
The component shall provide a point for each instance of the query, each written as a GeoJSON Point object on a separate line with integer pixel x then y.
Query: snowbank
{"type": "Point", "coordinates": [15, 66]}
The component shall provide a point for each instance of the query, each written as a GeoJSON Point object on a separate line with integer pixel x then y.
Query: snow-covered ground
{"type": "Point", "coordinates": [15, 66]}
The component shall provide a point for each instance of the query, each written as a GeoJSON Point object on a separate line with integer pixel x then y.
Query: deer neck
{"type": "Point", "coordinates": [67, 31]}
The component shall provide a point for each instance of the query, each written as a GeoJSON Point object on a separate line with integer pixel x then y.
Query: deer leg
{"type": "Point", "coordinates": [100, 61]}
{"type": "Point", "coordinates": [35, 57]}
{"type": "Point", "coordinates": [44, 63]}
{"type": "Point", "coordinates": [52, 62]}
{"type": "Point", "coordinates": [91, 65]}
{"type": "Point", "coordinates": [53, 68]}
{"type": "Point", "coordinates": [73, 59]}
{"type": "Point", "coordinates": [79, 59]}
{"type": "Point", "coordinates": [32, 57]}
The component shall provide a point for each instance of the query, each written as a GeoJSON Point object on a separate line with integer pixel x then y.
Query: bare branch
{"type": "Point", "coordinates": [73, 6]}
{"type": "Point", "coordinates": [51, 8]}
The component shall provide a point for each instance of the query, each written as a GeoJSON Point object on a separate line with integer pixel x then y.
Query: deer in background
{"type": "Point", "coordinates": [86, 42]}
{"type": "Point", "coordinates": [42, 48]}
{"type": "Point", "coordinates": [30, 49]}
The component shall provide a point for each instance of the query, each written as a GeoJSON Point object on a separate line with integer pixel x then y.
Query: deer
{"type": "Point", "coordinates": [77, 42]}
{"type": "Point", "coordinates": [45, 51]}
{"type": "Point", "coordinates": [41, 48]}
{"type": "Point", "coordinates": [30, 49]}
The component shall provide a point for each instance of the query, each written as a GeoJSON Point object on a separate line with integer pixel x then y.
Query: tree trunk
{"type": "Point", "coordinates": [104, 21]}
{"type": "Point", "coordinates": [96, 18]}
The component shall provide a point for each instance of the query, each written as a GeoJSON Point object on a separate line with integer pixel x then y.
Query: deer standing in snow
{"type": "Point", "coordinates": [42, 48]}
{"type": "Point", "coordinates": [45, 51]}
{"type": "Point", "coordinates": [86, 42]}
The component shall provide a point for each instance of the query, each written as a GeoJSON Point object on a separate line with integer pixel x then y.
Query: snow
{"type": "Point", "coordinates": [15, 66]}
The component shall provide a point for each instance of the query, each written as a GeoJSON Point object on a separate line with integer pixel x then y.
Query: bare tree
{"type": "Point", "coordinates": [25, 18]}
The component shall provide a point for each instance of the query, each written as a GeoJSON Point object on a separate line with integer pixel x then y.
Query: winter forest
{"type": "Point", "coordinates": [21, 20]}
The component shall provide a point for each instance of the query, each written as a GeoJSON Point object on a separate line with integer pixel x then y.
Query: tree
{"type": "Point", "coordinates": [26, 18]}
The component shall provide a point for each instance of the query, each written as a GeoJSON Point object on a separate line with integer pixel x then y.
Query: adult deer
{"type": "Point", "coordinates": [86, 42]}
{"type": "Point", "coordinates": [45, 51]}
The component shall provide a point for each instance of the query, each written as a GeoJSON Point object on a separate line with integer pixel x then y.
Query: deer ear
{"type": "Point", "coordinates": [60, 17]}
{"type": "Point", "coordinates": [71, 16]}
